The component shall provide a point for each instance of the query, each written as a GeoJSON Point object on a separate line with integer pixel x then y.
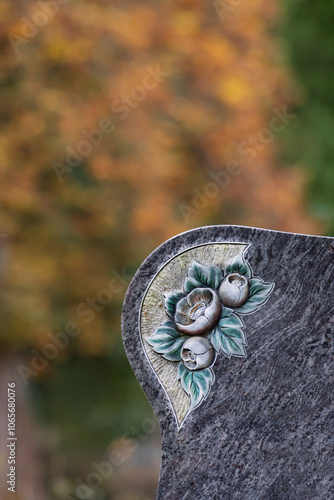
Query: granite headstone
{"type": "Point", "coordinates": [229, 331]}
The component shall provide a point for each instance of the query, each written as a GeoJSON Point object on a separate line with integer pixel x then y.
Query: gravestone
{"type": "Point", "coordinates": [229, 331]}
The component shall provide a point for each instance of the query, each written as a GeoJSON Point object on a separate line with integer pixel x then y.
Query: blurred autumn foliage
{"type": "Point", "coordinates": [166, 96]}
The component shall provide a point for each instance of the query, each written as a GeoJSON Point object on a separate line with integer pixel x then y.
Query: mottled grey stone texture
{"type": "Point", "coordinates": [266, 430]}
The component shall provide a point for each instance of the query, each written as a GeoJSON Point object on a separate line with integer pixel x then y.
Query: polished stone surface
{"type": "Point", "coordinates": [266, 430]}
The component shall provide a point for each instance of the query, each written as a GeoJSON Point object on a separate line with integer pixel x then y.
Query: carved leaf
{"type": "Point", "coordinates": [228, 336]}
{"type": "Point", "coordinates": [170, 301]}
{"type": "Point", "coordinates": [167, 341]}
{"type": "Point", "coordinates": [202, 276]}
{"type": "Point", "coordinates": [259, 292]}
{"type": "Point", "coordinates": [196, 384]}
{"type": "Point", "coordinates": [239, 265]}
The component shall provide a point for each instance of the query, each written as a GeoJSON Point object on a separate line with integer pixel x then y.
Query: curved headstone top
{"type": "Point", "coordinates": [229, 331]}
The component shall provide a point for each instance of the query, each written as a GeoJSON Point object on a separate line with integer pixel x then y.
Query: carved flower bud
{"type": "Point", "coordinates": [198, 312]}
{"type": "Point", "coordinates": [234, 290]}
{"type": "Point", "coordinates": [197, 353]}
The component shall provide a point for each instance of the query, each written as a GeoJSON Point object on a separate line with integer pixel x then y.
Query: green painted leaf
{"type": "Point", "coordinates": [239, 265]}
{"type": "Point", "coordinates": [228, 336]}
{"type": "Point", "coordinates": [170, 301]}
{"type": "Point", "coordinates": [190, 284]}
{"type": "Point", "coordinates": [167, 341]}
{"type": "Point", "coordinates": [174, 353]}
{"type": "Point", "coordinates": [196, 384]}
{"type": "Point", "coordinates": [229, 319]}
{"type": "Point", "coordinates": [259, 292]}
{"type": "Point", "coordinates": [202, 276]}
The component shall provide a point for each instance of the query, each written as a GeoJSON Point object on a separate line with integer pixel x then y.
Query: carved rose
{"type": "Point", "coordinates": [198, 312]}
{"type": "Point", "coordinates": [197, 353]}
{"type": "Point", "coordinates": [234, 290]}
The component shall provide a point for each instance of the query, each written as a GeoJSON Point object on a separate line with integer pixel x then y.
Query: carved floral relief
{"type": "Point", "coordinates": [203, 320]}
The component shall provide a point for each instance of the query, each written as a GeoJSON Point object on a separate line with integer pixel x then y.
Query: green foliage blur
{"type": "Point", "coordinates": [308, 32]}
